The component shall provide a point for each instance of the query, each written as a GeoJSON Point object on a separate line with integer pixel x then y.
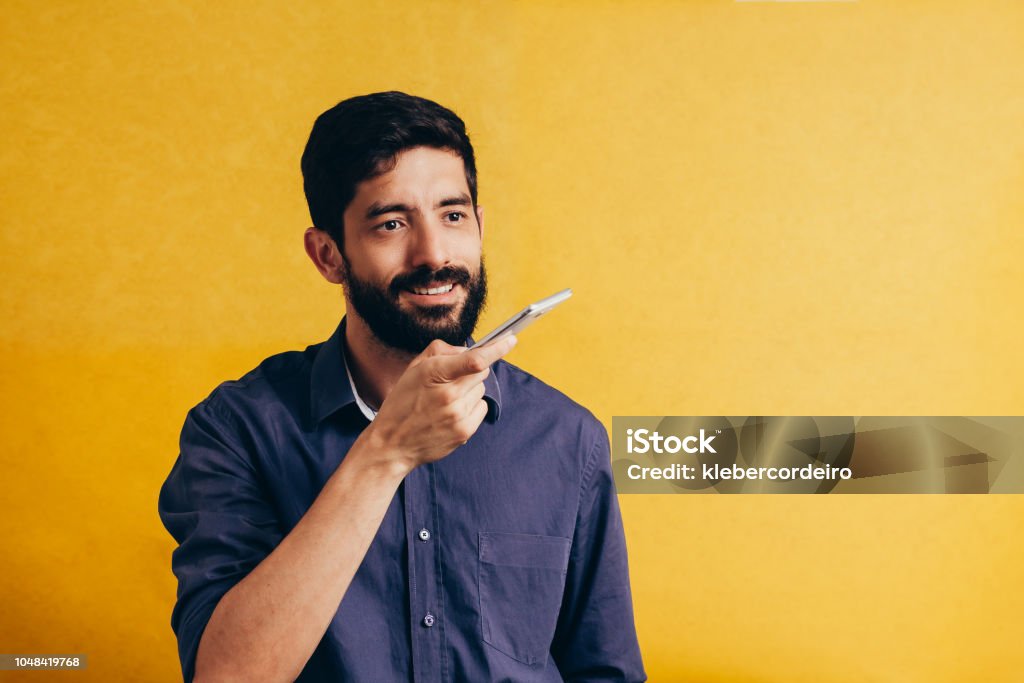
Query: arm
{"type": "Point", "coordinates": [595, 639]}
{"type": "Point", "coordinates": [253, 606]}
{"type": "Point", "coordinates": [268, 625]}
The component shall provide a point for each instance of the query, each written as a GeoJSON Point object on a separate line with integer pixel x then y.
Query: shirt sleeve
{"type": "Point", "coordinates": [595, 639]}
{"type": "Point", "coordinates": [213, 506]}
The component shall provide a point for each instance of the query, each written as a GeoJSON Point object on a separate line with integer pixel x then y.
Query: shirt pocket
{"type": "Point", "coordinates": [521, 581]}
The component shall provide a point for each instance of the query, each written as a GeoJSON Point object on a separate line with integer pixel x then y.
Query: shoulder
{"type": "Point", "coordinates": [280, 381]}
{"type": "Point", "coordinates": [525, 394]}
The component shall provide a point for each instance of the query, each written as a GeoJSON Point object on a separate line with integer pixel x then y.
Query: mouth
{"type": "Point", "coordinates": [434, 294]}
{"type": "Point", "coordinates": [432, 291]}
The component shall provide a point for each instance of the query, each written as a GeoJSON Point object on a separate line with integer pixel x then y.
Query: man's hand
{"type": "Point", "coordinates": [437, 404]}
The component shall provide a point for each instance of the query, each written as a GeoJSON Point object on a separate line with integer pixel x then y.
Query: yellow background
{"type": "Point", "coordinates": [764, 208]}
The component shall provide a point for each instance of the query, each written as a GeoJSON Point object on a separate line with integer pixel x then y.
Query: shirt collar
{"type": "Point", "coordinates": [368, 412]}
{"type": "Point", "coordinates": [332, 388]}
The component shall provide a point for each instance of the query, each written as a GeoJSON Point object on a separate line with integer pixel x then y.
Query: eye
{"type": "Point", "coordinates": [455, 216]}
{"type": "Point", "coordinates": [389, 226]}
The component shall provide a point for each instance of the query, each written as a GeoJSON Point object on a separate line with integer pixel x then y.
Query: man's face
{"type": "Point", "coordinates": [412, 252]}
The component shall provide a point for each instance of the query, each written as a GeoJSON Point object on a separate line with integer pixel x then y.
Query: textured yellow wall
{"type": "Point", "coordinates": [764, 208]}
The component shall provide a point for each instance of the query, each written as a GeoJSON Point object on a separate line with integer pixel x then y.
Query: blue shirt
{"type": "Point", "coordinates": [503, 561]}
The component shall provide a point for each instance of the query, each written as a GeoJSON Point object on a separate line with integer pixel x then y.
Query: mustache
{"type": "Point", "coordinates": [421, 277]}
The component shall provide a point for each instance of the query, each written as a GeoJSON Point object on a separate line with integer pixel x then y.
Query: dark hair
{"type": "Point", "coordinates": [360, 137]}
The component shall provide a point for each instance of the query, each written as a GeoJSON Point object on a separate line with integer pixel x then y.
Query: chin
{"type": "Point", "coordinates": [437, 312]}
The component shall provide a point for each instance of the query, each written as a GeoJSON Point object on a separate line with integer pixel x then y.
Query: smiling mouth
{"type": "Point", "coordinates": [443, 289]}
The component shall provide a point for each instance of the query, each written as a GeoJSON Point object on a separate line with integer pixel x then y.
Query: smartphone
{"type": "Point", "coordinates": [520, 320]}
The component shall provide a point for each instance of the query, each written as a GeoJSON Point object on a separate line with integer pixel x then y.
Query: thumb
{"type": "Point", "coordinates": [474, 360]}
{"type": "Point", "coordinates": [437, 348]}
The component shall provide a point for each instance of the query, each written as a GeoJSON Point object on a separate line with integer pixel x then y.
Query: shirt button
{"type": "Point", "coordinates": [424, 535]}
{"type": "Point", "coordinates": [428, 620]}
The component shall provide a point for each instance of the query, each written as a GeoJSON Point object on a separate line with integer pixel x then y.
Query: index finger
{"type": "Point", "coordinates": [476, 359]}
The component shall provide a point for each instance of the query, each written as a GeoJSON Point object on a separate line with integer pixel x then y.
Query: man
{"type": "Point", "coordinates": [390, 505]}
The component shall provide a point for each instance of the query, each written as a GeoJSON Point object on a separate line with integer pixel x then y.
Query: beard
{"type": "Point", "coordinates": [412, 331]}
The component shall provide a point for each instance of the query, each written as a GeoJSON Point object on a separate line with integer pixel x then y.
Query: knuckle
{"type": "Point", "coordinates": [463, 432]}
{"type": "Point", "coordinates": [434, 347]}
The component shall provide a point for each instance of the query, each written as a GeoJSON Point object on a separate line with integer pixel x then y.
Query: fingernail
{"type": "Point", "coordinates": [512, 341]}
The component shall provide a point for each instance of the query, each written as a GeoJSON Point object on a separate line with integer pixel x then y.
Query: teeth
{"type": "Point", "coordinates": [433, 290]}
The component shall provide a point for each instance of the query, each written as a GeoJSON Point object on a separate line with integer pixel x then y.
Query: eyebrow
{"type": "Point", "coordinates": [379, 209]}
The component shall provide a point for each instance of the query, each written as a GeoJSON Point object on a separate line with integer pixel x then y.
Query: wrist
{"type": "Point", "coordinates": [373, 450]}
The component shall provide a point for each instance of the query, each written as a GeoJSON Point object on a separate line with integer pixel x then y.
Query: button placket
{"type": "Point", "coordinates": [424, 587]}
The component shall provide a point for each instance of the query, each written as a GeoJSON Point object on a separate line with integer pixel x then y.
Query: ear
{"type": "Point", "coordinates": [324, 254]}
{"type": "Point", "coordinates": [480, 220]}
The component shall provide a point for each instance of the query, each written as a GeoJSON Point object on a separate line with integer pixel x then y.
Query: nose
{"type": "Point", "coordinates": [428, 247]}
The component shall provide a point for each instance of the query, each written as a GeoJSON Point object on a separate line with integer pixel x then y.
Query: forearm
{"type": "Point", "coordinates": [268, 625]}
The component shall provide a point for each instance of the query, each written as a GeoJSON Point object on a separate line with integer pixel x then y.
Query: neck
{"type": "Point", "coordinates": [375, 367]}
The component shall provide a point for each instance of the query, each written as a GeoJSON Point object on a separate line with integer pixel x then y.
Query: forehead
{"type": "Point", "coordinates": [419, 174]}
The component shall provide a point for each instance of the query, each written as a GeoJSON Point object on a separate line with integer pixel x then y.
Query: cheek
{"type": "Point", "coordinates": [470, 249]}
{"type": "Point", "coordinates": [378, 263]}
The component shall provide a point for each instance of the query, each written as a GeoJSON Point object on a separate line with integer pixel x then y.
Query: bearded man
{"type": "Point", "coordinates": [391, 505]}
